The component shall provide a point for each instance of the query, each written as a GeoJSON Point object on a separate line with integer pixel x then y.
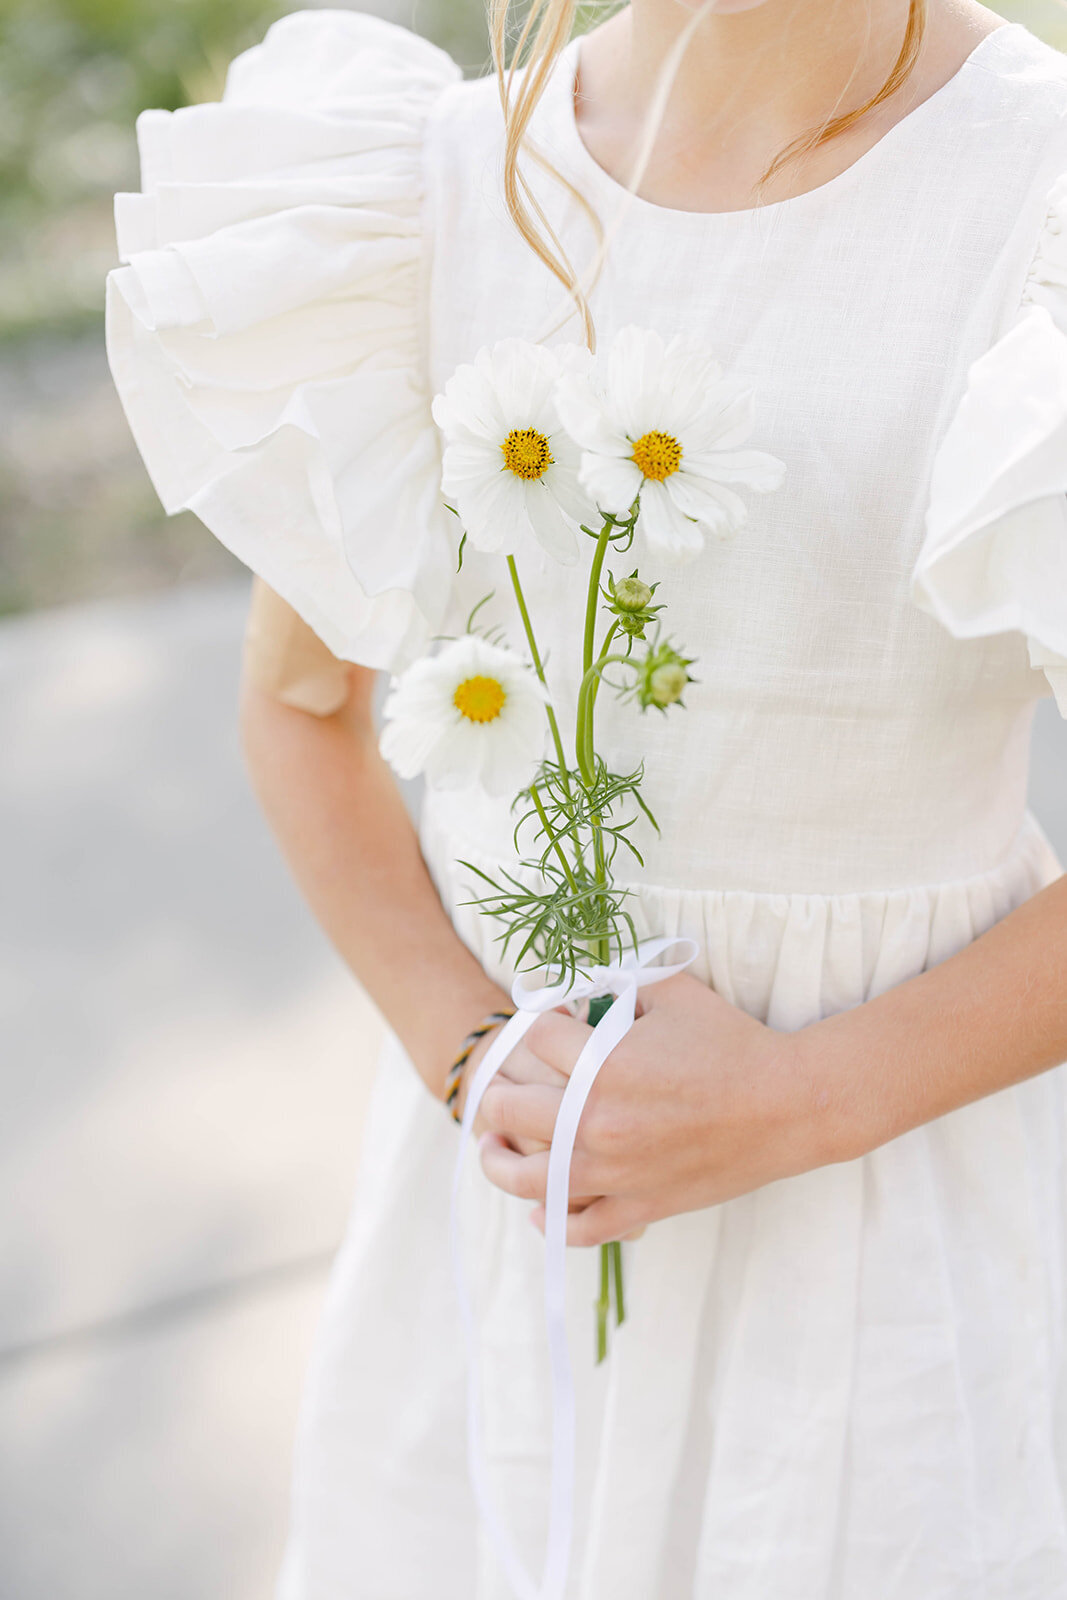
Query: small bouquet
{"type": "Point", "coordinates": [631, 458]}
{"type": "Point", "coordinates": [550, 446]}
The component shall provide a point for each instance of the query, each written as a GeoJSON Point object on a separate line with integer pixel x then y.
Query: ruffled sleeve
{"type": "Point", "coordinates": [994, 557]}
{"type": "Point", "coordinates": [266, 330]}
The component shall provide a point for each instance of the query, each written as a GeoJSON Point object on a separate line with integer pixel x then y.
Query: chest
{"type": "Point", "coordinates": [853, 315]}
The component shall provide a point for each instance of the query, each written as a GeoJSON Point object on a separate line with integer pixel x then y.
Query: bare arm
{"type": "Point", "coordinates": [748, 1106]}
{"type": "Point", "coordinates": [344, 830]}
{"type": "Point", "coordinates": [990, 1016]}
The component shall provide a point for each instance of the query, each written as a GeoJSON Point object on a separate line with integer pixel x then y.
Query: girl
{"type": "Point", "coordinates": [836, 1145]}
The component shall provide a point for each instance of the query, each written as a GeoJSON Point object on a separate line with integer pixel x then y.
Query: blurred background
{"type": "Point", "coordinates": [184, 1062]}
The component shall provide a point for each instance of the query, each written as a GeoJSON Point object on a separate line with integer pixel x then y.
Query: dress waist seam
{"type": "Point", "coordinates": [1029, 852]}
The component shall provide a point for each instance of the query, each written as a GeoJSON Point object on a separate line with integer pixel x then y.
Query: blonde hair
{"type": "Point", "coordinates": [544, 33]}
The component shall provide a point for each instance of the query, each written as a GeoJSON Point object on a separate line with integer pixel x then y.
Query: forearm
{"type": "Point", "coordinates": [346, 834]}
{"type": "Point", "coordinates": [990, 1016]}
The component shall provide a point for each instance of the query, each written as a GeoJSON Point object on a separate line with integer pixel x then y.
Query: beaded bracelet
{"type": "Point", "coordinates": [455, 1071]}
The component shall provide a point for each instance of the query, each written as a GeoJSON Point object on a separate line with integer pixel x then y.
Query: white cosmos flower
{"type": "Point", "coordinates": [473, 714]}
{"type": "Point", "coordinates": [662, 421]}
{"type": "Point", "coordinates": [508, 467]}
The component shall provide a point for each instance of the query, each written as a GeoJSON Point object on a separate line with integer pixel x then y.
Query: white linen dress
{"type": "Point", "coordinates": [849, 1385]}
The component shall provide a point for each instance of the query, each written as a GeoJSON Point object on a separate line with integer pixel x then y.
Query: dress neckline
{"type": "Point", "coordinates": [565, 84]}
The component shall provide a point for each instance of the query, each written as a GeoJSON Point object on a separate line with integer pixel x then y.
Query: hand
{"type": "Point", "coordinates": [698, 1104]}
{"type": "Point", "coordinates": [523, 1066]}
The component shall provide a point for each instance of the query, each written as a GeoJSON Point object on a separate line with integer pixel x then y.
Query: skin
{"type": "Point", "coordinates": [701, 1102]}
{"type": "Point", "coordinates": [755, 75]}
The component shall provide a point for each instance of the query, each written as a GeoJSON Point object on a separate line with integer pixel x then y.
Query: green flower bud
{"type": "Point", "coordinates": [632, 595]}
{"type": "Point", "coordinates": [633, 625]}
{"type": "Point", "coordinates": [666, 684]}
{"type": "Point", "coordinates": [662, 677]}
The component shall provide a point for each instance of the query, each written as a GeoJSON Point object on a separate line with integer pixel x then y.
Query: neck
{"type": "Point", "coordinates": [784, 65]}
{"type": "Point", "coordinates": [752, 80]}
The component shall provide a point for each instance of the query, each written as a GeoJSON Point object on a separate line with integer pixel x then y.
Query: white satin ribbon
{"type": "Point", "coordinates": [622, 979]}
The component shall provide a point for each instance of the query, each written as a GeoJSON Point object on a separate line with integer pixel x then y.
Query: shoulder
{"type": "Point", "coordinates": [266, 329]}
{"type": "Point", "coordinates": [332, 56]}
{"type": "Point", "coordinates": [1029, 82]}
{"type": "Point", "coordinates": [1017, 104]}
{"type": "Point", "coordinates": [381, 87]}
{"type": "Point", "coordinates": [326, 97]}
{"type": "Point", "coordinates": [994, 558]}
{"type": "Point", "coordinates": [337, 58]}
{"type": "Point", "coordinates": [466, 124]}
{"type": "Point", "coordinates": [996, 171]}
{"type": "Point", "coordinates": [1015, 71]}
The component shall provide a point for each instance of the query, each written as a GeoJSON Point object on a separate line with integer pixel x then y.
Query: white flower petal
{"type": "Point", "coordinates": [724, 419]}
{"type": "Point", "coordinates": [507, 764]}
{"type": "Point", "coordinates": [469, 403]}
{"type": "Point", "coordinates": [573, 358]}
{"type": "Point", "coordinates": [611, 481]}
{"type": "Point", "coordinates": [407, 744]}
{"type": "Point", "coordinates": [456, 760]}
{"type": "Point", "coordinates": [715, 507]}
{"type": "Point", "coordinates": [635, 366]}
{"type": "Point", "coordinates": [585, 417]}
{"type": "Point", "coordinates": [493, 512]}
{"type": "Point", "coordinates": [685, 383]}
{"type": "Point", "coordinates": [752, 468]}
{"type": "Point", "coordinates": [567, 489]}
{"type": "Point", "coordinates": [466, 463]}
{"type": "Point", "coordinates": [667, 531]}
{"type": "Point", "coordinates": [553, 530]}
{"type": "Point", "coordinates": [565, 452]}
{"type": "Point", "coordinates": [523, 376]}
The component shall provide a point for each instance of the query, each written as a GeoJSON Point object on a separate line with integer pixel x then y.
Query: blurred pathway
{"type": "Point", "coordinates": [185, 1066]}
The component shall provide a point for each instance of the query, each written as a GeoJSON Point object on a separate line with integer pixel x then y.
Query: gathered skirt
{"type": "Point", "coordinates": [848, 1385]}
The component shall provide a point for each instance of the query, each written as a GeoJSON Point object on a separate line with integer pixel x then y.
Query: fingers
{"type": "Point", "coordinates": [520, 1066]}
{"type": "Point", "coordinates": [520, 1111]}
{"type": "Point", "coordinates": [526, 1177]}
{"type": "Point", "coordinates": [523, 1066]}
{"type": "Point", "coordinates": [510, 1114]}
{"type": "Point", "coordinates": [558, 1040]}
{"type": "Point", "coordinates": [602, 1220]}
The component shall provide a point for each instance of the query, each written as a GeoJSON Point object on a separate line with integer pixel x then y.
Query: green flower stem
{"type": "Point", "coordinates": [557, 739]}
{"type": "Point", "coordinates": [610, 1254]}
{"type": "Point", "coordinates": [602, 1304]}
{"type": "Point", "coordinates": [594, 593]}
{"type": "Point", "coordinates": [587, 693]}
{"type": "Point", "coordinates": [602, 661]}
{"type": "Point", "coordinates": [616, 1265]}
{"type": "Point", "coordinates": [535, 655]}
{"type": "Point", "coordinates": [583, 739]}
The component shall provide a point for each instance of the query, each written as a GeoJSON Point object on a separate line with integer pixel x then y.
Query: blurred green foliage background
{"type": "Point", "coordinates": [77, 515]}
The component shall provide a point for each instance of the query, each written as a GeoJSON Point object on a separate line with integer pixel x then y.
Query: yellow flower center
{"type": "Point", "coordinates": [479, 699]}
{"type": "Point", "coordinates": [527, 453]}
{"type": "Point", "coordinates": [657, 454]}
